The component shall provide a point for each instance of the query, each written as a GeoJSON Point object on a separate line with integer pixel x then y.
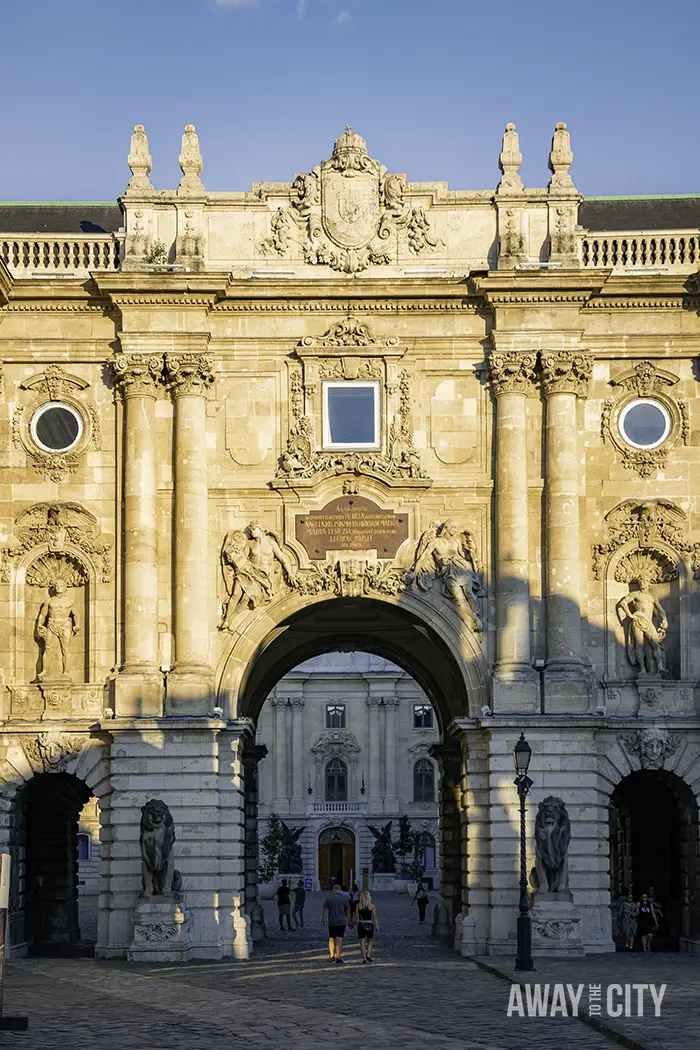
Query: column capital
{"type": "Point", "coordinates": [512, 372]}
{"type": "Point", "coordinates": [189, 374]}
{"type": "Point", "coordinates": [565, 372]}
{"type": "Point", "coordinates": [137, 375]}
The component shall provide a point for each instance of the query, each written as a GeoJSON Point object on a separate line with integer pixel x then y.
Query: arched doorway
{"type": "Point", "coordinates": [429, 642]}
{"type": "Point", "coordinates": [336, 857]}
{"type": "Point", "coordinates": [45, 870]}
{"type": "Point", "coordinates": [654, 843]}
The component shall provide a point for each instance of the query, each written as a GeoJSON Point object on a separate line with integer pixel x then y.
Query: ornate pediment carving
{"type": "Point", "coordinates": [339, 742]}
{"type": "Point", "coordinates": [649, 524]}
{"type": "Point", "coordinates": [54, 382]}
{"type": "Point", "coordinates": [344, 212]}
{"type": "Point", "coordinates": [58, 525]}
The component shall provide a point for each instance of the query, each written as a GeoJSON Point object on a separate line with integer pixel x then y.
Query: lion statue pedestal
{"type": "Point", "coordinates": [556, 922]}
{"type": "Point", "coordinates": [160, 922]}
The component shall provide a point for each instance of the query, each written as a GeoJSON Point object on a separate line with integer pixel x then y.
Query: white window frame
{"type": "Point", "coordinates": [645, 401]}
{"type": "Point", "coordinates": [423, 729]}
{"type": "Point", "coordinates": [336, 707]}
{"type": "Point", "coordinates": [45, 408]}
{"type": "Point", "coordinates": [370, 384]}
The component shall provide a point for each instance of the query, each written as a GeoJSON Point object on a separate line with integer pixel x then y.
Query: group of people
{"type": "Point", "coordinates": [341, 908]}
{"type": "Point", "coordinates": [640, 918]}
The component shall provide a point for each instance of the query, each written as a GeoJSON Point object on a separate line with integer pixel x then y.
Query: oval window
{"type": "Point", "coordinates": [56, 427]}
{"type": "Point", "coordinates": [645, 423]}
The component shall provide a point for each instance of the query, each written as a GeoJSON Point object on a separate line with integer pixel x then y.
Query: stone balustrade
{"type": "Point", "coordinates": [676, 250]}
{"type": "Point", "coordinates": [77, 255]}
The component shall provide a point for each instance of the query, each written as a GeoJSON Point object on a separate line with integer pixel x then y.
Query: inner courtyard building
{"type": "Point", "coordinates": [313, 498]}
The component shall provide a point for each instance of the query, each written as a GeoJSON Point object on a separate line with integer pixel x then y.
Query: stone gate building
{"type": "Point", "coordinates": [456, 429]}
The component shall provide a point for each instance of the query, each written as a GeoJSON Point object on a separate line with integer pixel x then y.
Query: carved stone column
{"type": "Point", "coordinates": [139, 687]}
{"type": "Point", "coordinates": [449, 759]}
{"type": "Point", "coordinates": [190, 682]}
{"type": "Point", "coordinates": [391, 744]}
{"type": "Point", "coordinates": [515, 686]}
{"type": "Point", "coordinates": [298, 752]}
{"type": "Point", "coordinates": [281, 795]}
{"type": "Point", "coordinates": [252, 754]}
{"type": "Point", "coordinates": [374, 771]}
{"type": "Point", "coordinates": [565, 376]}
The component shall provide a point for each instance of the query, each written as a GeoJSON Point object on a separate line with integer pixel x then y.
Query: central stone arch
{"type": "Point", "coordinates": [428, 640]}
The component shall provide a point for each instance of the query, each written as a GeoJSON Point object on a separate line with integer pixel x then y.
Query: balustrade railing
{"type": "Point", "coordinates": [337, 807]}
{"type": "Point", "coordinates": [78, 255]}
{"type": "Point", "coordinates": [676, 250]}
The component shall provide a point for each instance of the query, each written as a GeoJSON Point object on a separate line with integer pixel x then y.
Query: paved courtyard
{"type": "Point", "coordinates": [416, 995]}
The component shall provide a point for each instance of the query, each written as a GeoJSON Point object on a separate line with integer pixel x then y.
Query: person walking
{"type": "Point", "coordinates": [336, 909]}
{"type": "Point", "coordinates": [299, 902]}
{"type": "Point", "coordinates": [421, 899]}
{"type": "Point", "coordinates": [354, 902]}
{"type": "Point", "coordinates": [283, 904]}
{"type": "Point", "coordinates": [646, 923]}
{"type": "Point", "coordinates": [628, 909]}
{"type": "Point", "coordinates": [657, 912]}
{"type": "Point", "coordinates": [367, 924]}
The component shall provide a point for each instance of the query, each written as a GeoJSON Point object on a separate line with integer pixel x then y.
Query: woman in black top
{"type": "Point", "coordinates": [421, 898]}
{"type": "Point", "coordinates": [646, 922]}
{"type": "Point", "coordinates": [366, 925]}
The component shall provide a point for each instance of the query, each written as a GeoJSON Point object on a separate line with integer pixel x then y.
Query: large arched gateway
{"type": "Point", "coordinates": [455, 429]}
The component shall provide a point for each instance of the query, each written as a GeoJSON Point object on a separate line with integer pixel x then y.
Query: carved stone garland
{"type": "Point", "coordinates": [343, 213]}
{"type": "Point", "coordinates": [644, 380]}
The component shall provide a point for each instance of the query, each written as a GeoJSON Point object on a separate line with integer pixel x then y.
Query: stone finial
{"type": "Point", "coordinates": [509, 162]}
{"type": "Point", "coordinates": [190, 162]}
{"type": "Point", "coordinates": [139, 161]}
{"type": "Point", "coordinates": [560, 160]}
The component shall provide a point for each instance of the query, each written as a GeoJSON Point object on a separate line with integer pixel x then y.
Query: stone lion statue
{"type": "Point", "coordinates": [157, 837]}
{"type": "Point", "coordinates": [552, 838]}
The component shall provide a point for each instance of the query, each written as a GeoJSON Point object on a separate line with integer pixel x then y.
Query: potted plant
{"type": "Point", "coordinates": [270, 849]}
{"type": "Point", "coordinates": [402, 848]}
{"type": "Point", "coordinates": [417, 868]}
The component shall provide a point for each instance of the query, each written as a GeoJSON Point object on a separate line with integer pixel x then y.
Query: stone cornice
{"type": "Point", "coordinates": [559, 287]}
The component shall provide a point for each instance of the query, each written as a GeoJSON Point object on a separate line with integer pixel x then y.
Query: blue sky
{"type": "Point", "coordinates": [270, 84]}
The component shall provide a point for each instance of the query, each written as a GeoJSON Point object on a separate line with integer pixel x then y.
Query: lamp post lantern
{"type": "Point", "coordinates": [521, 757]}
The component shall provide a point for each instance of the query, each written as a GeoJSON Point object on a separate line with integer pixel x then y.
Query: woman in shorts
{"type": "Point", "coordinates": [366, 925]}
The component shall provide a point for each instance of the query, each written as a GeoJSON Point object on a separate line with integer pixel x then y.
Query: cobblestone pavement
{"type": "Point", "coordinates": [416, 995]}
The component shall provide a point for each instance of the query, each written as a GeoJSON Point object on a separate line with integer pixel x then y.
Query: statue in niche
{"type": "Point", "coordinates": [646, 625]}
{"type": "Point", "coordinates": [552, 839]}
{"type": "Point", "coordinates": [248, 562]}
{"type": "Point", "coordinates": [56, 625]}
{"type": "Point", "coordinates": [383, 860]}
{"type": "Point", "coordinates": [446, 554]}
{"type": "Point", "coordinates": [157, 837]}
{"type": "Point", "coordinates": [290, 861]}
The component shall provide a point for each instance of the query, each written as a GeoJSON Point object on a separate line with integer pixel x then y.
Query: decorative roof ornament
{"type": "Point", "coordinates": [509, 162]}
{"type": "Point", "coordinates": [139, 161]}
{"type": "Point", "coordinates": [350, 151]}
{"type": "Point", "coordinates": [190, 160]}
{"type": "Point", "coordinates": [560, 160]}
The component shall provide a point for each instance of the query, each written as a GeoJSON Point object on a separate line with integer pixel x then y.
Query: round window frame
{"type": "Point", "coordinates": [40, 410]}
{"type": "Point", "coordinates": [663, 409]}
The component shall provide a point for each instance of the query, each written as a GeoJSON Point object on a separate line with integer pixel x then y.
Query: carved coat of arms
{"type": "Point", "coordinates": [350, 193]}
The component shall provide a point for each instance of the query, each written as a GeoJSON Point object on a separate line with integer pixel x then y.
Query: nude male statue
{"type": "Point", "coordinates": [248, 564]}
{"type": "Point", "coordinates": [56, 624]}
{"type": "Point", "coordinates": [645, 638]}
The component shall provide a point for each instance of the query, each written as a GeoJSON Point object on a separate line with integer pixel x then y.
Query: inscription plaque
{"type": "Point", "coordinates": [351, 523]}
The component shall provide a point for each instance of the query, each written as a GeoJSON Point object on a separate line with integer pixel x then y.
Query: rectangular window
{"type": "Point", "coordinates": [335, 716]}
{"type": "Point", "coordinates": [83, 844]}
{"type": "Point", "coordinates": [422, 716]}
{"type": "Point", "coordinates": [351, 415]}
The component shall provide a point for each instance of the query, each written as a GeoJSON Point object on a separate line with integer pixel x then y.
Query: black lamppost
{"type": "Point", "coordinates": [521, 756]}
